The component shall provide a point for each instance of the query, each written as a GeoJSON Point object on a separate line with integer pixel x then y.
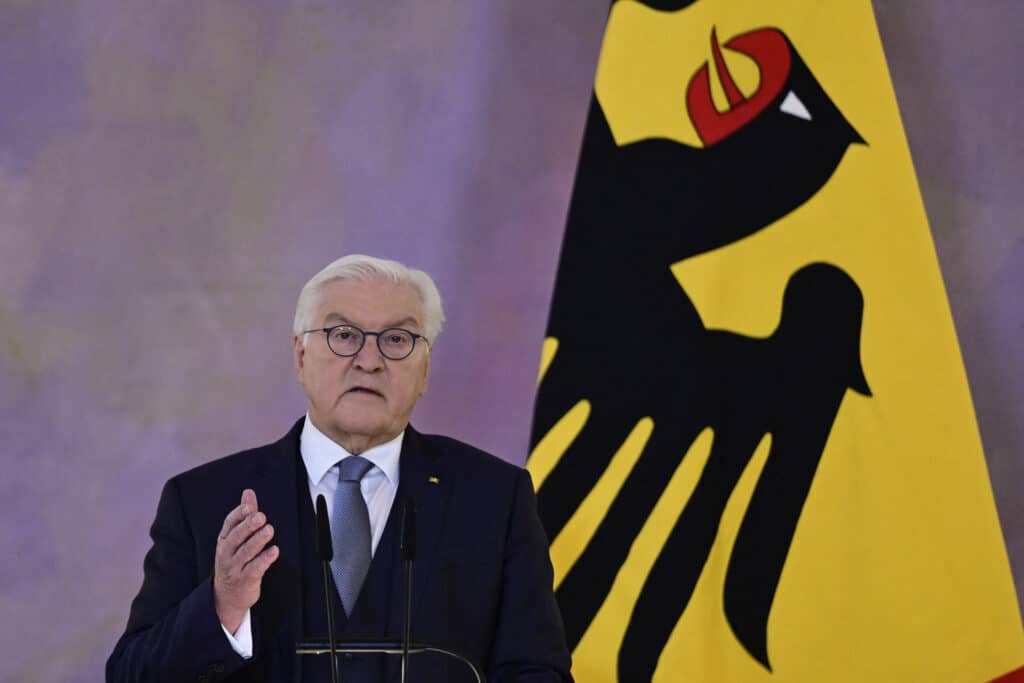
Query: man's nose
{"type": "Point", "coordinates": [369, 357]}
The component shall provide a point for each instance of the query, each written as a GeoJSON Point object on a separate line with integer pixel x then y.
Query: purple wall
{"type": "Point", "coordinates": [172, 172]}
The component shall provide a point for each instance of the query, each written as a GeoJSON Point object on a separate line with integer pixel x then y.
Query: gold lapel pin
{"type": "Point", "coordinates": [433, 480]}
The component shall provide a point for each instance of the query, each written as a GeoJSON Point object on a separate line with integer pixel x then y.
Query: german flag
{"type": "Point", "coordinates": [753, 441]}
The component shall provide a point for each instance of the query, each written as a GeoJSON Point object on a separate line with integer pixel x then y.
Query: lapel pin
{"type": "Point", "coordinates": [433, 480]}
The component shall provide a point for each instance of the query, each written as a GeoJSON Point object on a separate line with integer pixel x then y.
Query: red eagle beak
{"type": "Point", "coordinates": [770, 51]}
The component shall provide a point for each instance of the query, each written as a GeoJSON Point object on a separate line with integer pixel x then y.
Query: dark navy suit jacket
{"type": "Point", "coordinates": [482, 583]}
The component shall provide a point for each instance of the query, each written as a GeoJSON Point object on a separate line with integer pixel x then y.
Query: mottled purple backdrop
{"type": "Point", "coordinates": [172, 171]}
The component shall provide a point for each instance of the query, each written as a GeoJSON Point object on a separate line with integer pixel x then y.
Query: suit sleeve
{"type": "Point", "coordinates": [173, 632]}
{"type": "Point", "coordinates": [529, 644]}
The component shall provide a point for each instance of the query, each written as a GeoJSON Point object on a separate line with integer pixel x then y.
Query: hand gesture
{"type": "Point", "coordinates": [242, 557]}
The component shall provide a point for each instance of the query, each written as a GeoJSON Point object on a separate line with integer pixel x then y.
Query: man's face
{"type": "Point", "coordinates": [363, 400]}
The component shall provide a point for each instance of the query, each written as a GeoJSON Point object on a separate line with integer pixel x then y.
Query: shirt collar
{"type": "Point", "coordinates": [320, 454]}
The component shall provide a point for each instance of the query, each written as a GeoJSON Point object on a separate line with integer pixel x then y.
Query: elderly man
{"type": "Point", "coordinates": [233, 578]}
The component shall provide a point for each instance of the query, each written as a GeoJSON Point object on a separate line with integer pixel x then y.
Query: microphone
{"type": "Point", "coordinates": [325, 548]}
{"type": "Point", "coordinates": [408, 555]}
{"type": "Point", "coordinates": [324, 545]}
{"type": "Point", "coordinates": [409, 530]}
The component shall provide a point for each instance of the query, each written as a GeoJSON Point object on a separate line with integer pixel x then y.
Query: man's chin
{"type": "Point", "coordinates": [362, 428]}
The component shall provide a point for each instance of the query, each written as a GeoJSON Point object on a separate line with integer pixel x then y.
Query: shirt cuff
{"type": "Point", "coordinates": [241, 640]}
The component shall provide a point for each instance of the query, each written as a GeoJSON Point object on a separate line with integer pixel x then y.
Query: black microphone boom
{"type": "Point", "coordinates": [325, 548]}
{"type": "Point", "coordinates": [408, 555]}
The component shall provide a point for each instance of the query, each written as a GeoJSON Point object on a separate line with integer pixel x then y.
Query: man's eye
{"type": "Point", "coordinates": [343, 336]}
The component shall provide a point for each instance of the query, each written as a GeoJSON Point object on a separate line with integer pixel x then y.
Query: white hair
{"type": "Point", "coordinates": [360, 268]}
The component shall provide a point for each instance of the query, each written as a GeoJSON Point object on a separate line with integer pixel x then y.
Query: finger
{"type": "Point", "coordinates": [249, 498]}
{"type": "Point", "coordinates": [247, 506]}
{"type": "Point", "coordinates": [243, 531]}
{"type": "Point", "coordinates": [252, 547]}
{"type": "Point", "coordinates": [259, 565]}
{"type": "Point", "coordinates": [236, 516]}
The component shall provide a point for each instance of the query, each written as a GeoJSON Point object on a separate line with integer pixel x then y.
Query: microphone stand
{"type": "Point", "coordinates": [408, 556]}
{"type": "Point", "coordinates": [330, 624]}
{"type": "Point", "coordinates": [326, 549]}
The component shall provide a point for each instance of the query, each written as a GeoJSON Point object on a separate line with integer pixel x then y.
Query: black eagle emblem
{"type": "Point", "coordinates": [633, 345]}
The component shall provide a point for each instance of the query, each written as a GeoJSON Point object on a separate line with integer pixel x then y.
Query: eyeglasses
{"type": "Point", "coordinates": [348, 340]}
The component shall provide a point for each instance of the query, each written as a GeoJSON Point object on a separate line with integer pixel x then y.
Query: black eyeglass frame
{"type": "Point", "coordinates": [365, 333]}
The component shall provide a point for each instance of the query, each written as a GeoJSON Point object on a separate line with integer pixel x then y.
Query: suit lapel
{"type": "Point", "coordinates": [422, 479]}
{"type": "Point", "coordinates": [273, 477]}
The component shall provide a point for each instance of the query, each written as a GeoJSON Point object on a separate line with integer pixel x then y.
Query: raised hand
{"type": "Point", "coordinates": [242, 558]}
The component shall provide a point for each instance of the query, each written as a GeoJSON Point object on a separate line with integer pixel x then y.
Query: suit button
{"type": "Point", "coordinates": [218, 668]}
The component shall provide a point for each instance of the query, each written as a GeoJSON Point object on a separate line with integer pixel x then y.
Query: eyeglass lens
{"type": "Point", "coordinates": [395, 344]}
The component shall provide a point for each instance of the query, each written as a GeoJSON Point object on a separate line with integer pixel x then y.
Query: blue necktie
{"type": "Point", "coordinates": [350, 532]}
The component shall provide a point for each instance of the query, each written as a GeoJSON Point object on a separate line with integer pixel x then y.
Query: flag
{"type": "Point", "coordinates": [754, 446]}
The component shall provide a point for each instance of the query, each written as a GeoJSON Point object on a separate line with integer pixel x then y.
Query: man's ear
{"type": "Point", "coordinates": [298, 354]}
{"type": "Point", "coordinates": [426, 375]}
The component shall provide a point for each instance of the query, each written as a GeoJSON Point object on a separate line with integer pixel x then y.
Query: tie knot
{"type": "Point", "coordinates": [353, 468]}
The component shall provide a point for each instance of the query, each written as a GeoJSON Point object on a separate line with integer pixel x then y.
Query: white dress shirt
{"type": "Point", "coordinates": [321, 456]}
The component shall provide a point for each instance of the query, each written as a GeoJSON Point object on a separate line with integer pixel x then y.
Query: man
{"type": "Point", "coordinates": [233, 579]}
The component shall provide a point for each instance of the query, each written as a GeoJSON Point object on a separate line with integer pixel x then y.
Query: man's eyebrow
{"type": "Point", "coordinates": [342, 320]}
{"type": "Point", "coordinates": [405, 322]}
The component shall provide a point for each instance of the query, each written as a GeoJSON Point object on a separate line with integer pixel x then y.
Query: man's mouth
{"type": "Point", "coordinates": [364, 391]}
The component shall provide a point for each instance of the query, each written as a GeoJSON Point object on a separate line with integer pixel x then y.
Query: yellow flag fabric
{"type": "Point", "coordinates": [754, 444]}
